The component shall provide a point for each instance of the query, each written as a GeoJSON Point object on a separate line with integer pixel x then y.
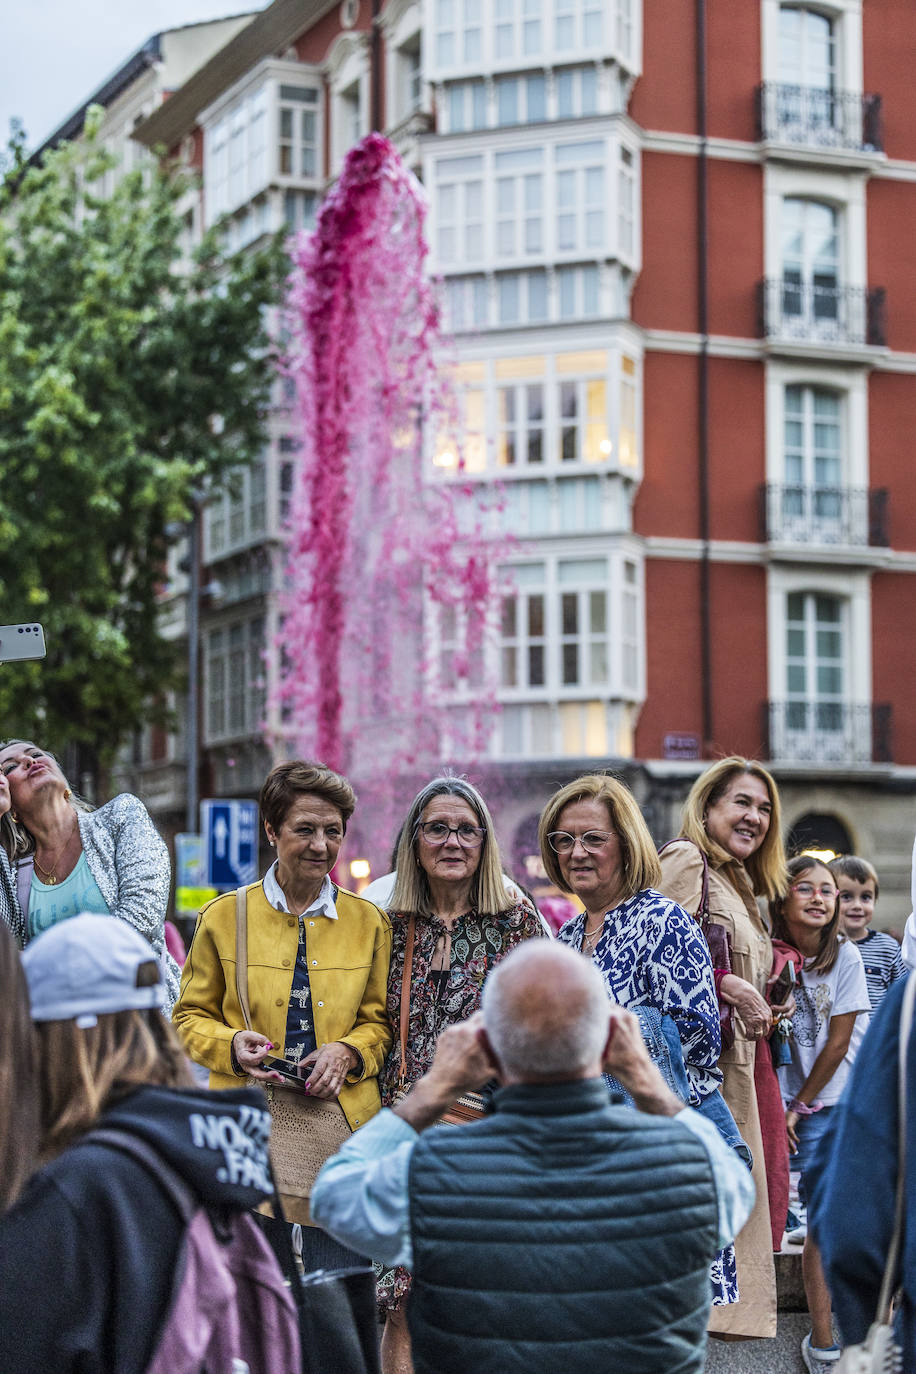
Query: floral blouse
{"type": "Point", "coordinates": [478, 943]}
{"type": "Point", "coordinates": [652, 954]}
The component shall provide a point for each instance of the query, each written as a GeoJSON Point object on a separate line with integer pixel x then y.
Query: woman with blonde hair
{"type": "Point", "coordinates": [453, 918]}
{"type": "Point", "coordinates": [731, 836]}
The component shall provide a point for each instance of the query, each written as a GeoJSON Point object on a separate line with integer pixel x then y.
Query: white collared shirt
{"type": "Point", "coordinates": [323, 904]}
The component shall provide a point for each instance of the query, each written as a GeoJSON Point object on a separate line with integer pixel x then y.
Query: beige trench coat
{"type": "Point", "coordinates": [732, 904]}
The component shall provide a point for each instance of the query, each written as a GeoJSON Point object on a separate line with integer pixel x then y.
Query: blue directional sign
{"type": "Point", "coordinates": [230, 834]}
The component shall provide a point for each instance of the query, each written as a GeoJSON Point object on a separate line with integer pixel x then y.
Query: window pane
{"type": "Point", "coordinates": [535, 616]}
{"type": "Point", "coordinates": [537, 99]}
{"type": "Point", "coordinates": [570, 664]}
{"type": "Point", "coordinates": [536, 666]}
{"type": "Point", "coordinates": [597, 663]}
{"type": "Point", "coordinates": [597, 612]}
{"type": "Point", "coordinates": [508, 616]}
{"type": "Point", "coordinates": [570, 604]}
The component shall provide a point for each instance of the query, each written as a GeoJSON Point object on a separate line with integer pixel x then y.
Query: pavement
{"type": "Point", "coordinates": [782, 1355]}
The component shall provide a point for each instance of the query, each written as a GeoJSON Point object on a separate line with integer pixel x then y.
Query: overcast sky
{"type": "Point", "coordinates": [55, 53]}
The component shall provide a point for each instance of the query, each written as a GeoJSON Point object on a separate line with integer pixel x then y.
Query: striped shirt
{"type": "Point", "coordinates": [883, 963]}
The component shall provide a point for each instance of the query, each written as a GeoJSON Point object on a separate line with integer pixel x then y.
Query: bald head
{"type": "Point", "coordinates": [546, 1013]}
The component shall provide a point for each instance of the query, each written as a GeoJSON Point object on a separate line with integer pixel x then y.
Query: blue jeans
{"type": "Point", "coordinates": [660, 1033]}
{"type": "Point", "coordinates": [810, 1130]}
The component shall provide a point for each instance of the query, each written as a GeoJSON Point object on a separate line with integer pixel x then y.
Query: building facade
{"type": "Point", "coordinates": [683, 315]}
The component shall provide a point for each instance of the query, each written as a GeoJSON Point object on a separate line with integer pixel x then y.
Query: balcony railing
{"type": "Point", "coordinates": [828, 732]}
{"type": "Point", "coordinates": [811, 118]}
{"type": "Point", "coordinates": [794, 311]}
{"type": "Point", "coordinates": [798, 514]}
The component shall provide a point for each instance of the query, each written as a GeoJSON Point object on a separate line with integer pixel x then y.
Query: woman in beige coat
{"type": "Point", "coordinates": [732, 817]}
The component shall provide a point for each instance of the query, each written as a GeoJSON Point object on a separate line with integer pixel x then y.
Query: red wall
{"type": "Point", "coordinates": [893, 598]}
{"type": "Point", "coordinates": [733, 61]}
{"type": "Point", "coordinates": [892, 434]}
{"type": "Point", "coordinates": [891, 216]}
{"type": "Point", "coordinates": [737, 456]}
{"type": "Point", "coordinates": [665, 296]}
{"type": "Point", "coordinates": [665, 94]}
{"type": "Point", "coordinates": [674, 704]}
{"type": "Point", "coordinates": [667, 499]}
{"type": "Point", "coordinates": [735, 246]}
{"type": "Point", "coordinates": [889, 36]}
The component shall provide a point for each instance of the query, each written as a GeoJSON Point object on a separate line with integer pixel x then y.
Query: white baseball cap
{"type": "Point", "coordinates": [86, 966]}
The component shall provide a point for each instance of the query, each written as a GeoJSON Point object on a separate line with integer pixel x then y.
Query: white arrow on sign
{"type": "Point", "coordinates": [220, 835]}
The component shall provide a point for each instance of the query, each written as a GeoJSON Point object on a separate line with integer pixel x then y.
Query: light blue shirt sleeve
{"type": "Point", "coordinates": [360, 1194]}
{"type": "Point", "coordinates": [735, 1191]}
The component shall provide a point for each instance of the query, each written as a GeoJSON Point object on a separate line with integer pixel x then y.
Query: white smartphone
{"type": "Point", "coordinates": [21, 641]}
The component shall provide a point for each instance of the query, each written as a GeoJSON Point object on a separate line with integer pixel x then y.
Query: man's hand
{"type": "Point", "coordinates": [627, 1059]}
{"type": "Point", "coordinates": [461, 1064]}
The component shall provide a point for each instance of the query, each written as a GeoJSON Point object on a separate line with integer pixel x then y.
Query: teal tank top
{"type": "Point", "coordinates": [78, 892]}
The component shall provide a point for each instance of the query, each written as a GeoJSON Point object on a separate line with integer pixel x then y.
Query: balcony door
{"type": "Point", "coordinates": [820, 724]}
{"type": "Point", "coordinates": [807, 107]}
{"type": "Point", "coordinates": [815, 501]}
{"type": "Point", "coordinates": [811, 295]}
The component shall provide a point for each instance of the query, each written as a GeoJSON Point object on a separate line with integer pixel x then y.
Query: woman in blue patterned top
{"type": "Point", "coordinates": [596, 845]}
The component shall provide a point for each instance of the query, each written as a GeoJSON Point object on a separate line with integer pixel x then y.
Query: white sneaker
{"type": "Point", "coordinates": [799, 1235]}
{"type": "Point", "coordinates": [819, 1361]}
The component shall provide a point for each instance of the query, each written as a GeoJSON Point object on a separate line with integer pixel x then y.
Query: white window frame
{"type": "Point", "coordinates": [850, 585]}
{"type": "Point", "coordinates": [851, 383]}
{"type": "Point", "coordinates": [847, 19]}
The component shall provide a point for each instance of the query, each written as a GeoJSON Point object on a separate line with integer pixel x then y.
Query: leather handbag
{"type": "Point", "coordinates": [338, 1317]}
{"type": "Point", "coordinates": [719, 943]}
{"type": "Point", "coordinates": [470, 1106]}
{"type": "Point", "coordinates": [305, 1131]}
{"type": "Point", "coordinates": [879, 1353]}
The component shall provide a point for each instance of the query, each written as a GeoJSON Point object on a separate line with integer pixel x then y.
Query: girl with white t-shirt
{"type": "Point", "coordinates": [831, 1015]}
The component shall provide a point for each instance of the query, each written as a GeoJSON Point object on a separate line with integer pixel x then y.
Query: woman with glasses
{"type": "Point", "coordinates": [730, 832]}
{"type": "Point", "coordinates": [830, 1018]}
{"type": "Point", "coordinates": [453, 917]}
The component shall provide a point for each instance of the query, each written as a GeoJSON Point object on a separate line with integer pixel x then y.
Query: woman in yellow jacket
{"type": "Point", "coordinates": [317, 966]}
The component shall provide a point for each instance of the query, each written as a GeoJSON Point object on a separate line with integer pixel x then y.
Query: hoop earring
{"type": "Point", "coordinates": [14, 818]}
{"type": "Point", "coordinates": [67, 794]}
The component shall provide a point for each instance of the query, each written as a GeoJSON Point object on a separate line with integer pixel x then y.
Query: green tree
{"type": "Point", "coordinates": [130, 379]}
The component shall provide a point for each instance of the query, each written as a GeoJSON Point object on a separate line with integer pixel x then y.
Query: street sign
{"type": "Point", "coordinates": [230, 834]}
{"type": "Point", "coordinates": [680, 746]}
{"type": "Point", "coordinates": [189, 900]}
{"type": "Point", "coordinates": [190, 860]}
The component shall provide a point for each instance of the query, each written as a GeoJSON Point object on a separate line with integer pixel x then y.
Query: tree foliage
{"type": "Point", "coordinates": [130, 379]}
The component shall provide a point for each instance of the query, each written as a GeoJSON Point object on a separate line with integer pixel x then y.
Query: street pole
{"type": "Point", "coordinates": [193, 622]}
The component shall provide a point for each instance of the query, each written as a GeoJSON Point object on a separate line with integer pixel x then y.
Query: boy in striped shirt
{"type": "Point", "coordinates": [858, 886]}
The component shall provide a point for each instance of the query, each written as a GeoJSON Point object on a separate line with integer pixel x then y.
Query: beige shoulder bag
{"type": "Point", "coordinates": [305, 1130]}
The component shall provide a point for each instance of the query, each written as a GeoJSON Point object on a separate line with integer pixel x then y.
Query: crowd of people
{"type": "Point", "coordinates": [622, 1108]}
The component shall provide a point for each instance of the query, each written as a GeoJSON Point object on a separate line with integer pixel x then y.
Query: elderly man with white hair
{"type": "Point", "coordinates": [564, 1232]}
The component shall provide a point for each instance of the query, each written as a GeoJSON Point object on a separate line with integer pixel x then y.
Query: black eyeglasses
{"type": "Point", "coordinates": [593, 841]}
{"type": "Point", "coordinates": [437, 832]}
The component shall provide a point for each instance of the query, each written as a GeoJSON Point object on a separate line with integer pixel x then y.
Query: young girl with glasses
{"type": "Point", "coordinates": [831, 1015]}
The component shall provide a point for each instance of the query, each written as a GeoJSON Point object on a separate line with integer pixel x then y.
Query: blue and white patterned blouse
{"type": "Point", "coordinates": [653, 954]}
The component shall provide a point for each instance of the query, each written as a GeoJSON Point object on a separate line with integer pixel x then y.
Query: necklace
{"type": "Point", "coordinates": [592, 937]}
{"type": "Point", "coordinates": [49, 878]}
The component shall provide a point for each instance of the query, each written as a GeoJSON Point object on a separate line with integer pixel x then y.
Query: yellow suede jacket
{"type": "Point", "coordinates": [348, 973]}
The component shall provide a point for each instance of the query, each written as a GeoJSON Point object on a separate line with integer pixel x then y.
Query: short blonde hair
{"type": "Point", "coordinates": [641, 868]}
{"type": "Point", "coordinates": [766, 867]}
{"type": "Point", "coordinates": [411, 895]}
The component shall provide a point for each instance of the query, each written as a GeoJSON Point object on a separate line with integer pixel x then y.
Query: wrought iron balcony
{"type": "Point", "coordinates": [828, 732]}
{"type": "Point", "coordinates": [795, 311]}
{"type": "Point", "coordinates": [805, 514]}
{"type": "Point", "coordinates": [808, 117]}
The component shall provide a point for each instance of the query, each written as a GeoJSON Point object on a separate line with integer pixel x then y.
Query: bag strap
{"type": "Point", "coordinates": [241, 952]}
{"type": "Point", "coordinates": [405, 996]}
{"type": "Point", "coordinates": [893, 1255]}
{"type": "Point", "coordinates": [172, 1182]}
{"type": "Point", "coordinates": [702, 912]}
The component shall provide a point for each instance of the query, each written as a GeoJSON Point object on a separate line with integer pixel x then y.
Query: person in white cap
{"type": "Point", "coordinates": [90, 1249]}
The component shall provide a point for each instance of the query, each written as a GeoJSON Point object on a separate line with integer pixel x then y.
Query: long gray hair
{"type": "Point", "coordinates": [411, 893]}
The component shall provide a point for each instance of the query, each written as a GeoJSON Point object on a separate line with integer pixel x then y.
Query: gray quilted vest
{"type": "Point", "coordinates": [561, 1235]}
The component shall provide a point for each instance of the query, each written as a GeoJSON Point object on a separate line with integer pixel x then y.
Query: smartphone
{"type": "Point", "coordinates": [21, 641]}
{"type": "Point", "coordinates": [288, 1071]}
{"type": "Point", "coordinates": [779, 990]}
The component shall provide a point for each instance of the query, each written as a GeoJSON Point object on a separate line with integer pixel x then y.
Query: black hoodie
{"type": "Point", "coordinates": [88, 1253]}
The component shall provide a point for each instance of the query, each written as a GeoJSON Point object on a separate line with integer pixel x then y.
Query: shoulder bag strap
{"type": "Point", "coordinates": [702, 912]}
{"type": "Point", "coordinates": [405, 997]}
{"type": "Point", "coordinates": [241, 952]}
{"type": "Point", "coordinates": [893, 1255]}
